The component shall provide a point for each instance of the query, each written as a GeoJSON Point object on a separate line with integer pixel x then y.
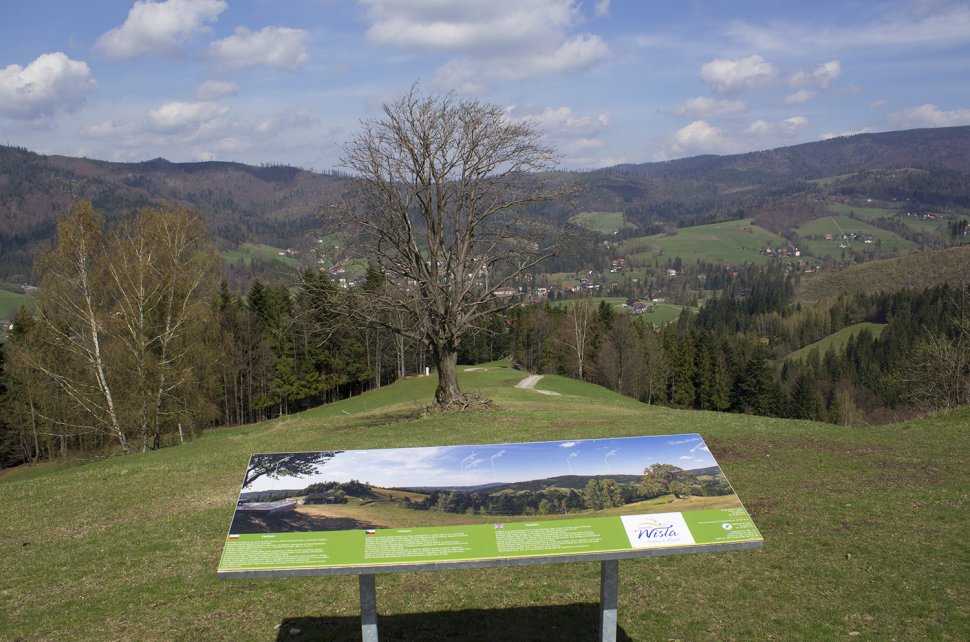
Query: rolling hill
{"type": "Point", "coordinates": [781, 189]}
{"type": "Point", "coordinates": [861, 531]}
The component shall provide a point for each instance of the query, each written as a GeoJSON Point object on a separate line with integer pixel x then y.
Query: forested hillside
{"type": "Point", "coordinates": [920, 170]}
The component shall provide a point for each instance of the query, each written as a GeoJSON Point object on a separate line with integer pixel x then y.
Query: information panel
{"type": "Point", "coordinates": [360, 509]}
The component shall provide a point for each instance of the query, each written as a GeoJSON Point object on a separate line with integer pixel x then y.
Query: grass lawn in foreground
{"type": "Point", "coordinates": [862, 529]}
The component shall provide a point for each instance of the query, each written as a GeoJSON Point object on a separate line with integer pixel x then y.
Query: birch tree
{"type": "Point", "coordinates": [120, 330]}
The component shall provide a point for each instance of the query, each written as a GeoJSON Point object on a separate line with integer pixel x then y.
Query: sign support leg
{"type": "Point", "coordinates": [368, 608]}
{"type": "Point", "coordinates": [609, 591]}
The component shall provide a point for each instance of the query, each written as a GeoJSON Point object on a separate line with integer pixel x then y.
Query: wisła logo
{"type": "Point", "coordinates": [662, 529]}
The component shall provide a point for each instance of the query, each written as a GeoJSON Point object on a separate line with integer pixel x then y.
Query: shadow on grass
{"type": "Point", "coordinates": [539, 624]}
{"type": "Point", "coordinates": [293, 522]}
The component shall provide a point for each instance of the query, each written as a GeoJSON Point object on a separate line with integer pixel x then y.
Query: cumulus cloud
{"type": "Point", "coordinates": [214, 89]}
{"type": "Point", "coordinates": [159, 28]}
{"type": "Point", "coordinates": [707, 107]}
{"type": "Point", "coordinates": [52, 82]}
{"type": "Point", "coordinates": [740, 74]}
{"type": "Point", "coordinates": [701, 136]}
{"type": "Point", "coordinates": [501, 39]}
{"type": "Point", "coordinates": [800, 96]}
{"type": "Point", "coordinates": [575, 136]}
{"type": "Point", "coordinates": [853, 132]}
{"type": "Point", "coordinates": [182, 117]}
{"type": "Point", "coordinates": [930, 115]}
{"type": "Point", "coordinates": [818, 78]}
{"type": "Point", "coordinates": [279, 47]}
{"type": "Point", "coordinates": [788, 127]}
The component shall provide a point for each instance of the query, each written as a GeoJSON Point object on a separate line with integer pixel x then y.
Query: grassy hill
{"type": "Point", "coordinates": [862, 528]}
{"type": "Point", "coordinates": [600, 222]}
{"type": "Point", "coordinates": [918, 270]}
{"type": "Point", "coordinates": [838, 339]}
{"type": "Point", "coordinates": [733, 242]}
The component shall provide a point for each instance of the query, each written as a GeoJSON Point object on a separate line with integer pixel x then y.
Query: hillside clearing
{"type": "Point", "coordinates": [861, 530]}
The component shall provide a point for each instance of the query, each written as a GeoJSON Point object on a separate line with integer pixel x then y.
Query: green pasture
{"type": "Point", "coordinates": [829, 179]}
{"type": "Point", "coordinates": [731, 242]}
{"type": "Point", "coordinates": [659, 314]}
{"type": "Point", "coordinates": [936, 227]}
{"type": "Point", "coordinates": [862, 533]}
{"type": "Point", "coordinates": [838, 339]}
{"type": "Point", "coordinates": [10, 302]}
{"type": "Point", "coordinates": [601, 222]}
{"type": "Point", "coordinates": [883, 241]}
{"type": "Point", "coordinates": [249, 251]}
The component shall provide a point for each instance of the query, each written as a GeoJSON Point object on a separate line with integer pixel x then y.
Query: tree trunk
{"type": "Point", "coordinates": [446, 362]}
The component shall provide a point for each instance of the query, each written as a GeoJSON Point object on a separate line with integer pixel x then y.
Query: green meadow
{"type": "Point", "coordinates": [601, 222]}
{"type": "Point", "coordinates": [838, 339]}
{"type": "Point", "coordinates": [936, 227]}
{"type": "Point", "coordinates": [10, 302]}
{"type": "Point", "coordinates": [249, 251]}
{"type": "Point", "coordinates": [731, 242]}
{"type": "Point", "coordinates": [863, 533]}
{"type": "Point", "coordinates": [885, 241]}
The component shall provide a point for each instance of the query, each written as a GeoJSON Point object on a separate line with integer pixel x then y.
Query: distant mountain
{"type": "Point", "coordinates": [575, 482]}
{"type": "Point", "coordinates": [278, 205]}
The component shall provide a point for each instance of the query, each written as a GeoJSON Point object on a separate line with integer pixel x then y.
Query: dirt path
{"type": "Point", "coordinates": [529, 383]}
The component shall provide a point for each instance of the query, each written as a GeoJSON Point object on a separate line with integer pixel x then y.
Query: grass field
{"type": "Point", "coordinates": [837, 339]}
{"type": "Point", "coordinates": [601, 222]}
{"type": "Point", "coordinates": [660, 313]}
{"type": "Point", "coordinates": [936, 227]}
{"type": "Point", "coordinates": [732, 242]}
{"type": "Point", "coordinates": [248, 251]}
{"type": "Point", "coordinates": [862, 529]}
{"type": "Point", "coordinates": [839, 225]}
{"type": "Point", "coordinates": [10, 302]}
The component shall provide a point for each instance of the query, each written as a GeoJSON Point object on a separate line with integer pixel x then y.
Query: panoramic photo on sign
{"type": "Point", "coordinates": [357, 508]}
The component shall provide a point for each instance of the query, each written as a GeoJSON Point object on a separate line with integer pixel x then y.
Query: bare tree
{"type": "Point", "coordinates": [442, 205]}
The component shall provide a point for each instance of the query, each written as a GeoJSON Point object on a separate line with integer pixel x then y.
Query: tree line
{"type": "Point", "coordinates": [732, 356]}
{"type": "Point", "coordinates": [135, 344]}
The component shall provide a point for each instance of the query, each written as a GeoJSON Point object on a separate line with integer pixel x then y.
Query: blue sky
{"type": "Point", "coordinates": [483, 464]}
{"type": "Point", "coordinates": [288, 81]}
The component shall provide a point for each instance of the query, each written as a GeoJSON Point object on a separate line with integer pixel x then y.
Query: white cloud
{"type": "Point", "coordinates": [854, 132]}
{"type": "Point", "coordinates": [819, 77]}
{"type": "Point", "coordinates": [159, 28]}
{"type": "Point", "coordinates": [602, 7]}
{"type": "Point", "coordinates": [701, 137]}
{"type": "Point", "coordinates": [501, 39]}
{"type": "Point", "coordinates": [574, 136]}
{"type": "Point", "coordinates": [279, 47]}
{"type": "Point", "coordinates": [707, 107]}
{"type": "Point", "coordinates": [740, 74]}
{"type": "Point", "coordinates": [788, 127]}
{"type": "Point", "coordinates": [800, 96]}
{"type": "Point", "coordinates": [182, 117]}
{"type": "Point", "coordinates": [929, 115]}
{"type": "Point", "coordinates": [52, 82]}
{"type": "Point", "coordinates": [214, 89]}
{"type": "Point", "coordinates": [896, 30]}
